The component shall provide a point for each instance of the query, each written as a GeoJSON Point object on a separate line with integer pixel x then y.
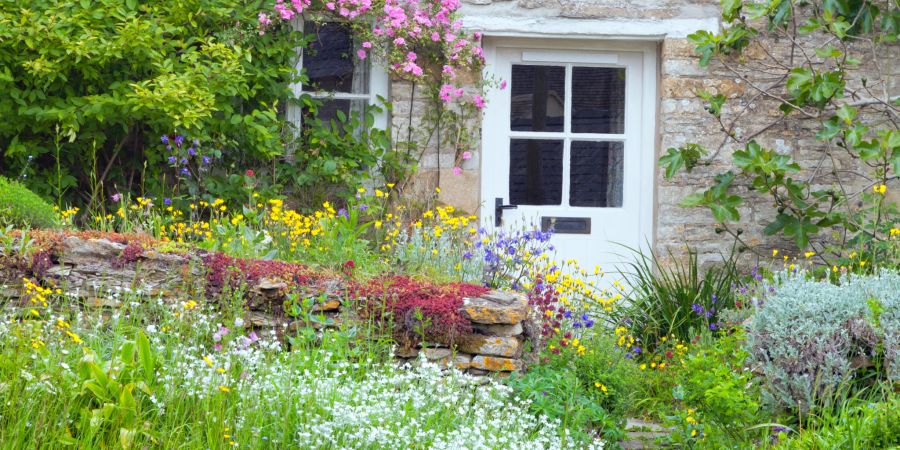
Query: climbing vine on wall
{"type": "Point", "coordinates": [831, 80]}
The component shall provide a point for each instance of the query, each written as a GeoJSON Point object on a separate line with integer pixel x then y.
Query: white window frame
{"type": "Point", "coordinates": [379, 85]}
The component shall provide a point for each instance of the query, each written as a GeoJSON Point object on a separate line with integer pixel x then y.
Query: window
{"type": "Point", "coordinates": [340, 80]}
{"type": "Point", "coordinates": [566, 139]}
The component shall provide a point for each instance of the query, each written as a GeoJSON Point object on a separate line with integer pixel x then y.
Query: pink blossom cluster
{"type": "Point", "coordinates": [400, 32]}
{"type": "Point", "coordinates": [287, 11]}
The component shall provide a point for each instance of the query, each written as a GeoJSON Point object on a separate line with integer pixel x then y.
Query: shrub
{"type": "Point", "coordinates": [23, 208]}
{"type": "Point", "coordinates": [675, 296]}
{"type": "Point", "coordinates": [811, 336]}
{"type": "Point", "coordinates": [713, 382]}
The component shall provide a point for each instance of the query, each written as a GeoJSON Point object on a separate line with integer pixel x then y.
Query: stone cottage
{"type": "Point", "coordinates": [597, 89]}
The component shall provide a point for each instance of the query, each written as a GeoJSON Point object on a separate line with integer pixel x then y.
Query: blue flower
{"type": "Point", "coordinates": [179, 140]}
{"type": "Point", "coordinates": [164, 139]}
{"type": "Point", "coordinates": [172, 160]}
{"type": "Point", "coordinates": [636, 349]}
{"type": "Point", "coordinates": [167, 201]}
{"type": "Point", "coordinates": [584, 316]}
{"type": "Point", "coordinates": [363, 207]}
{"type": "Point", "coordinates": [191, 151]}
{"type": "Point", "coordinates": [713, 327]}
{"type": "Point", "coordinates": [467, 255]}
{"type": "Point", "coordinates": [206, 160]}
{"type": "Point", "coordinates": [184, 171]}
{"type": "Point", "coordinates": [589, 323]}
{"type": "Point", "coordinates": [567, 314]}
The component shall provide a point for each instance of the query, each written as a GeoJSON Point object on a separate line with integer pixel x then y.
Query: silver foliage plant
{"type": "Point", "coordinates": [809, 336]}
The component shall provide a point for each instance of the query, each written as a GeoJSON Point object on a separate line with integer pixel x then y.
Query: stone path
{"type": "Point", "coordinates": [641, 434]}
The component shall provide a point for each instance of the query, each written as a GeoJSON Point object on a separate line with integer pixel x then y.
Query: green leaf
{"type": "Point", "coordinates": [145, 355]}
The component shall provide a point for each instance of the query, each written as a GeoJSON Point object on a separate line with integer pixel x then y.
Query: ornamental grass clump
{"type": "Point", "coordinates": [813, 338]}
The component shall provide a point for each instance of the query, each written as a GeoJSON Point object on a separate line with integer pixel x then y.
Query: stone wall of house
{"type": "Point", "coordinates": [682, 119]}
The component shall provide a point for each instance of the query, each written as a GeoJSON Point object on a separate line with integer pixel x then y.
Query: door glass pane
{"type": "Point", "coordinates": [535, 172]}
{"type": "Point", "coordinates": [598, 100]}
{"type": "Point", "coordinates": [596, 174]}
{"type": "Point", "coordinates": [538, 98]}
{"type": "Point", "coordinates": [329, 61]}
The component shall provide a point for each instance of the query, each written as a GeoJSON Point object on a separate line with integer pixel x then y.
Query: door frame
{"type": "Point", "coordinates": [647, 136]}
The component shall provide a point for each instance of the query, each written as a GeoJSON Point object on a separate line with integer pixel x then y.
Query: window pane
{"type": "Point", "coordinates": [329, 60]}
{"type": "Point", "coordinates": [328, 110]}
{"type": "Point", "coordinates": [596, 174]}
{"type": "Point", "coordinates": [538, 98]}
{"type": "Point", "coordinates": [598, 100]}
{"type": "Point", "coordinates": [535, 172]}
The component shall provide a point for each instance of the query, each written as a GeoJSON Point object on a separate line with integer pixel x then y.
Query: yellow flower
{"type": "Point", "coordinates": [208, 361]}
{"type": "Point", "coordinates": [437, 189]}
{"type": "Point", "coordinates": [693, 433]}
{"type": "Point", "coordinates": [75, 338]}
{"type": "Point", "coordinates": [809, 254]}
{"type": "Point", "coordinates": [220, 370]}
{"type": "Point", "coordinates": [643, 367]}
{"type": "Point", "coordinates": [224, 389]}
{"type": "Point", "coordinates": [879, 189]}
{"type": "Point", "coordinates": [190, 304]}
{"type": "Point", "coordinates": [378, 224]}
{"type": "Point", "coordinates": [774, 252]}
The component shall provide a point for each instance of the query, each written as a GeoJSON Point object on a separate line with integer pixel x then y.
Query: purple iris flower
{"type": "Point", "coordinates": [184, 171]}
{"type": "Point", "coordinates": [343, 213]}
{"type": "Point", "coordinates": [363, 207]}
{"type": "Point", "coordinates": [167, 201]}
{"type": "Point", "coordinates": [713, 327]}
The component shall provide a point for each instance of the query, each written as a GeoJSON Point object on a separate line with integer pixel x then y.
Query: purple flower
{"type": "Point", "coordinates": [715, 298]}
{"type": "Point", "coordinates": [179, 140]}
{"type": "Point", "coordinates": [184, 171]}
{"type": "Point", "coordinates": [191, 151]}
{"type": "Point", "coordinates": [589, 323]}
{"type": "Point", "coordinates": [567, 314]}
{"type": "Point", "coordinates": [467, 255]}
{"type": "Point", "coordinates": [636, 349]}
{"type": "Point", "coordinates": [363, 207]}
{"type": "Point", "coordinates": [343, 213]}
{"type": "Point", "coordinates": [206, 160]}
{"type": "Point", "coordinates": [713, 327]}
{"type": "Point", "coordinates": [173, 160]}
{"type": "Point", "coordinates": [167, 201]}
{"type": "Point", "coordinates": [699, 310]}
{"type": "Point", "coordinates": [164, 139]}
{"type": "Point", "coordinates": [196, 142]}
{"type": "Point", "coordinates": [184, 160]}
{"type": "Point", "coordinates": [116, 197]}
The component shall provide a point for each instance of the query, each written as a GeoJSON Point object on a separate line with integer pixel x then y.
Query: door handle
{"type": "Point", "coordinates": [498, 210]}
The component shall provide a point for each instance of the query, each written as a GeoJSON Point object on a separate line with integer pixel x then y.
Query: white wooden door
{"type": "Point", "coordinates": [568, 145]}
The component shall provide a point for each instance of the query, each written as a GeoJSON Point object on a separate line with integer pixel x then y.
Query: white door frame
{"type": "Point", "coordinates": [577, 48]}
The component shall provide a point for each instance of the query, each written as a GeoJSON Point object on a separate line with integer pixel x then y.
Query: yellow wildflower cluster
{"type": "Point", "coordinates": [36, 294]}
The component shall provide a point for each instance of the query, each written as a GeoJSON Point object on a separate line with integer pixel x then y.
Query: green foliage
{"type": "Point", "coordinates": [22, 208]}
{"type": "Point", "coordinates": [675, 296]}
{"type": "Point", "coordinates": [335, 157]}
{"type": "Point", "coordinates": [817, 86]}
{"type": "Point", "coordinates": [857, 424]}
{"type": "Point", "coordinates": [810, 337]}
{"type": "Point", "coordinates": [559, 393]}
{"type": "Point", "coordinates": [715, 381]}
{"type": "Point", "coordinates": [119, 75]}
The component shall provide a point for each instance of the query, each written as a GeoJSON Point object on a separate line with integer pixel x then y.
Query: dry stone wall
{"type": "Point", "coordinates": [89, 270]}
